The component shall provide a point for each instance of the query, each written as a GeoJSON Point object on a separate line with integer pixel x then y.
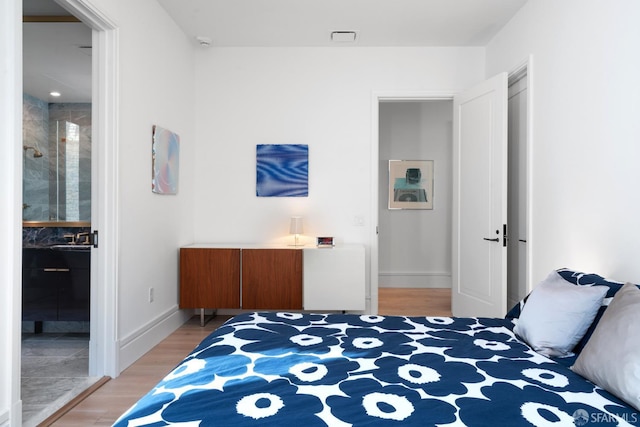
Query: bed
{"type": "Point", "coordinates": [303, 369]}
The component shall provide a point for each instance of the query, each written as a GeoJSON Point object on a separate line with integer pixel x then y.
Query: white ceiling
{"type": "Point", "coordinates": [42, 7]}
{"type": "Point", "coordinates": [310, 22]}
{"type": "Point", "coordinates": [56, 54]}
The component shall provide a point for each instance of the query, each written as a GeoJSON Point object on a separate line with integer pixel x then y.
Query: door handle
{"type": "Point", "coordinates": [497, 239]}
{"type": "Point", "coordinates": [93, 238]}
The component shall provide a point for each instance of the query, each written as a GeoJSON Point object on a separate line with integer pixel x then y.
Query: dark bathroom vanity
{"type": "Point", "coordinates": [56, 283]}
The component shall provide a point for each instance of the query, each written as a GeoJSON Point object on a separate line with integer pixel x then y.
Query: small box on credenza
{"type": "Point", "coordinates": [324, 242]}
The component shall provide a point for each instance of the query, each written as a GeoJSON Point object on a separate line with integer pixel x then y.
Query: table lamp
{"type": "Point", "coordinates": [296, 229]}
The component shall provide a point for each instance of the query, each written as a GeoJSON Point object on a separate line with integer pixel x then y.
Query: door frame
{"type": "Point", "coordinates": [376, 99]}
{"type": "Point", "coordinates": [381, 96]}
{"type": "Point", "coordinates": [104, 138]}
{"type": "Point", "coordinates": [103, 345]}
{"type": "Point", "coordinates": [11, 210]}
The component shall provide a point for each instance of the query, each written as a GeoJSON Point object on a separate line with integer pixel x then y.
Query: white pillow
{"type": "Point", "coordinates": [558, 314]}
{"type": "Point", "coordinates": [611, 358]}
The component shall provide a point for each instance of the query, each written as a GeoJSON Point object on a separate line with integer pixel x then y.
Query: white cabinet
{"type": "Point", "coordinates": [333, 278]}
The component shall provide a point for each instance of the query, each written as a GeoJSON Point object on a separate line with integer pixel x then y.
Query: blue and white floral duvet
{"type": "Point", "coordinates": [307, 370]}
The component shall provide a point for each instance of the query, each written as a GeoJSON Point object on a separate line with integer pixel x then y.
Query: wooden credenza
{"type": "Point", "coordinates": [272, 278]}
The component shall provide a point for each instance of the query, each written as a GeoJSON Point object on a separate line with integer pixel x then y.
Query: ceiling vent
{"type": "Point", "coordinates": [343, 36]}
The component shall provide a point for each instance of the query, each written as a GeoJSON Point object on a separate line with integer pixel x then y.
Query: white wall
{"type": "Point", "coordinates": [415, 245]}
{"type": "Point", "coordinates": [156, 67]}
{"type": "Point", "coordinates": [317, 96]}
{"type": "Point", "coordinates": [10, 210]}
{"type": "Point", "coordinates": [585, 150]}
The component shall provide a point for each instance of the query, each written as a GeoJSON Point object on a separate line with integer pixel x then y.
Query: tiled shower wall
{"type": "Point", "coordinates": [39, 176]}
{"type": "Point", "coordinates": [35, 181]}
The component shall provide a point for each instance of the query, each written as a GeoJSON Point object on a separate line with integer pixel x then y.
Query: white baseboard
{"type": "Point", "coordinates": [4, 419]}
{"type": "Point", "coordinates": [136, 344]}
{"type": "Point", "coordinates": [12, 417]}
{"type": "Point", "coordinates": [414, 279]}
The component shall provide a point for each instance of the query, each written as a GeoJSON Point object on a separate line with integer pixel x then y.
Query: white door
{"type": "Point", "coordinates": [479, 259]}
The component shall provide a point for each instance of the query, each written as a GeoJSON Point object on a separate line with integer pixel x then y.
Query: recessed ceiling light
{"type": "Point", "coordinates": [56, 94]}
{"type": "Point", "coordinates": [343, 36]}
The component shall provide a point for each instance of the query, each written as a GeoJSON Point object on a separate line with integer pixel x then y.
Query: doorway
{"type": "Point", "coordinates": [407, 274]}
{"type": "Point", "coordinates": [517, 186]}
{"type": "Point", "coordinates": [56, 204]}
{"type": "Point", "coordinates": [103, 349]}
{"type": "Point", "coordinates": [518, 205]}
{"type": "Point", "coordinates": [415, 242]}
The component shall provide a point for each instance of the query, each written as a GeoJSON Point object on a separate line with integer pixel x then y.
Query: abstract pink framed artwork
{"type": "Point", "coordinates": [166, 161]}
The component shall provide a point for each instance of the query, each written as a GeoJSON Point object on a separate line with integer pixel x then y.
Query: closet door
{"type": "Point", "coordinates": [271, 279]}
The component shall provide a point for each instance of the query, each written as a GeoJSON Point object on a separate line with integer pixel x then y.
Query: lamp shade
{"type": "Point", "coordinates": [296, 225]}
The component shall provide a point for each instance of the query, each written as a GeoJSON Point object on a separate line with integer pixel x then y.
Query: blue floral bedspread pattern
{"type": "Point", "coordinates": [307, 370]}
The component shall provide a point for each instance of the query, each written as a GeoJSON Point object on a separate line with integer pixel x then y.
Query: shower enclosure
{"type": "Point", "coordinates": [57, 162]}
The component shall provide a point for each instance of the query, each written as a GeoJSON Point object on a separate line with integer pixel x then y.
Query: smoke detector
{"type": "Point", "coordinates": [203, 41]}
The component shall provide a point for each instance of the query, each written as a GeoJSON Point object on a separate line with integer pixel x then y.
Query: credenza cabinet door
{"type": "Point", "coordinates": [209, 278]}
{"type": "Point", "coordinates": [334, 279]}
{"type": "Point", "coordinates": [271, 279]}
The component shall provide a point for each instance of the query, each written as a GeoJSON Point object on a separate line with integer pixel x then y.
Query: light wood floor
{"type": "Point", "coordinates": [414, 302]}
{"type": "Point", "coordinates": [111, 400]}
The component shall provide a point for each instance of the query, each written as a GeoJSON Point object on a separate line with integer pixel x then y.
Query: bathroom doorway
{"type": "Point", "coordinates": [57, 172]}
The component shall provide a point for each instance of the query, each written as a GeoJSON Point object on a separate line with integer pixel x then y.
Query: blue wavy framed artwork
{"type": "Point", "coordinates": [282, 170]}
{"type": "Point", "coordinates": [166, 161]}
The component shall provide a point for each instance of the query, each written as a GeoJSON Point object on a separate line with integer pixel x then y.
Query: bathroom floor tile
{"type": "Point", "coordinates": [54, 370]}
